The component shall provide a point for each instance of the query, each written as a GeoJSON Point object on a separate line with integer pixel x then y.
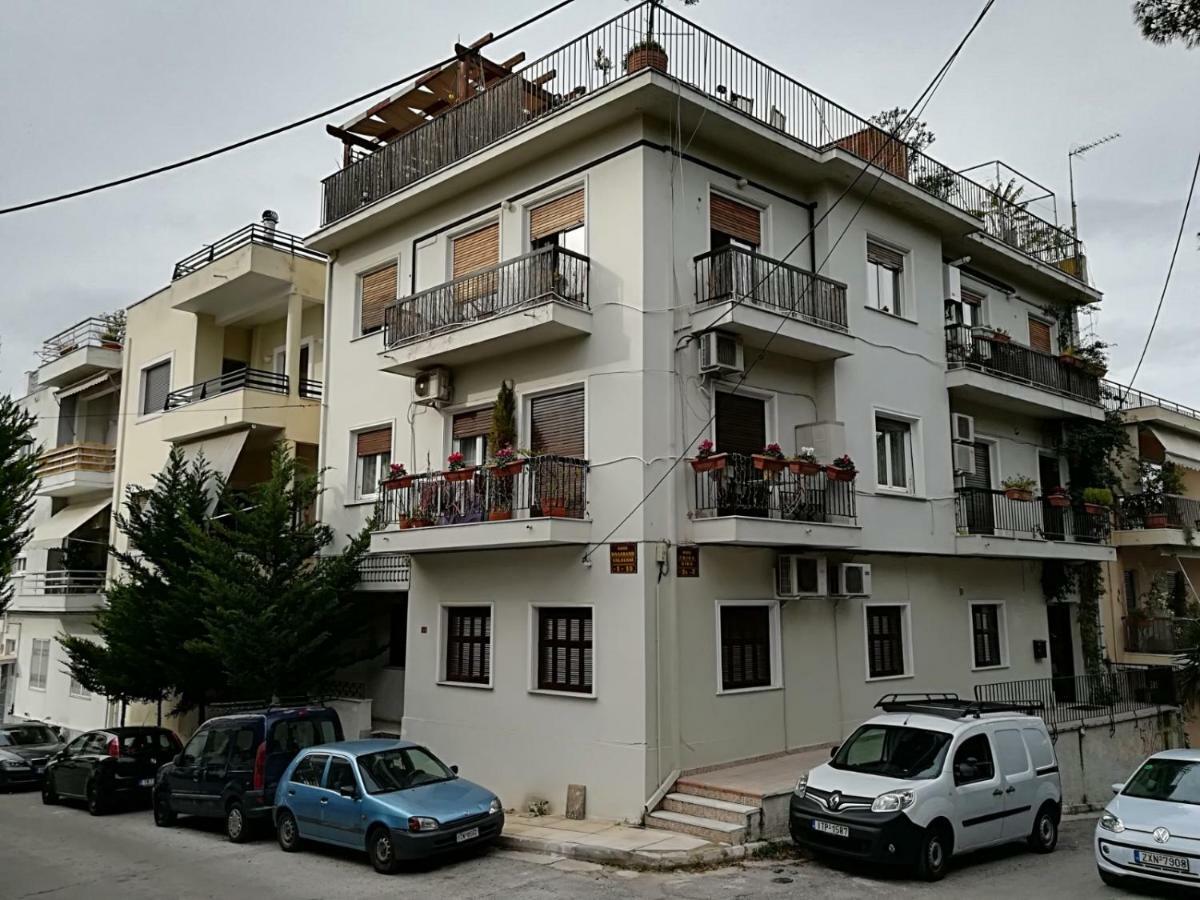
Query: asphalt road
{"type": "Point", "coordinates": [61, 852]}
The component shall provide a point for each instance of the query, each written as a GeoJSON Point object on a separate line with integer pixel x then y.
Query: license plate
{"type": "Point", "coordinates": [1162, 861]}
{"type": "Point", "coordinates": [38, 770]}
{"type": "Point", "coordinates": [468, 834]}
{"type": "Point", "coordinates": [831, 828]}
{"type": "Point", "coordinates": [146, 782]}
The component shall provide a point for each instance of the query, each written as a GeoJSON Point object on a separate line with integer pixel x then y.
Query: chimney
{"type": "Point", "coordinates": [270, 219]}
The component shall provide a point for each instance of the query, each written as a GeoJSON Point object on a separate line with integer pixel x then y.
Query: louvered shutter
{"type": "Point", "coordinates": [972, 297]}
{"type": "Point", "coordinates": [565, 661]}
{"type": "Point", "coordinates": [476, 250]}
{"type": "Point", "coordinates": [885, 256]}
{"type": "Point", "coordinates": [557, 424]}
{"type": "Point", "coordinates": [735, 219]}
{"type": "Point", "coordinates": [558, 215]}
{"type": "Point", "coordinates": [472, 424]}
{"type": "Point", "coordinates": [1039, 335]}
{"type": "Point", "coordinates": [885, 640]}
{"type": "Point", "coordinates": [378, 289]}
{"type": "Point", "coordinates": [468, 644]}
{"type": "Point", "coordinates": [156, 384]}
{"type": "Point", "coordinates": [745, 647]}
{"type": "Point", "coordinates": [377, 441]}
{"type": "Point", "coordinates": [741, 423]}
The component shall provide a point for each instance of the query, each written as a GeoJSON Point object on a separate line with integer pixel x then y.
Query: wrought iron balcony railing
{"type": "Point", "coordinates": [968, 348]}
{"type": "Point", "coordinates": [82, 457]}
{"type": "Point", "coordinates": [93, 332]}
{"type": "Point", "coordinates": [1136, 512]}
{"type": "Point", "coordinates": [732, 273]}
{"type": "Point", "coordinates": [548, 274]}
{"type": "Point", "coordinates": [740, 489]}
{"type": "Point", "coordinates": [250, 234]}
{"type": "Point", "coordinates": [984, 511]}
{"type": "Point", "coordinates": [1118, 397]}
{"type": "Point", "coordinates": [1159, 634]}
{"type": "Point", "coordinates": [255, 379]}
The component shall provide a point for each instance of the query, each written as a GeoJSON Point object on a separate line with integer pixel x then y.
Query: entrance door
{"type": "Point", "coordinates": [1062, 651]}
{"type": "Point", "coordinates": [1054, 518]}
{"type": "Point", "coordinates": [980, 501]}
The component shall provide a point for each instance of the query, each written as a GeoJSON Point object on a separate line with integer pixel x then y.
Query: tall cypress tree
{"type": "Point", "coordinates": [18, 478]}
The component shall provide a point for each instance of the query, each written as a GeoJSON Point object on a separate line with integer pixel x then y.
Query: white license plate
{"type": "Point", "coordinates": [468, 834]}
{"type": "Point", "coordinates": [1162, 861]}
{"type": "Point", "coordinates": [830, 828]}
{"type": "Point", "coordinates": [146, 782]}
{"type": "Point", "coordinates": [38, 770]}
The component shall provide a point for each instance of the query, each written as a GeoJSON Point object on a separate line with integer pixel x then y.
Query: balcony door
{"type": "Point", "coordinates": [741, 428]}
{"type": "Point", "coordinates": [1054, 518]}
{"type": "Point", "coordinates": [980, 501]}
{"type": "Point", "coordinates": [476, 252]}
{"type": "Point", "coordinates": [1062, 651]}
{"type": "Point", "coordinates": [739, 227]}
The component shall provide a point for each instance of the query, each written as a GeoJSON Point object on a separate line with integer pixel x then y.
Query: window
{"type": "Point", "coordinates": [78, 691]}
{"type": "Point", "coordinates": [18, 565]}
{"type": "Point", "coordinates": [1037, 742]}
{"type": "Point", "coordinates": [293, 735]}
{"type": "Point", "coordinates": [479, 249]}
{"type": "Point", "coordinates": [972, 308]}
{"type": "Point", "coordinates": [885, 641]}
{"type": "Point", "coordinates": [746, 646]}
{"type": "Point", "coordinates": [191, 753]}
{"type": "Point", "coordinates": [156, 385]}
{"type": "Point", "coordinates": [885, 270]}
{"type": "Point", "coordinates": [340, 775]}
{"type": "Point", "coordinates": [376, 290]}
{"type": "Point", "coordinates": [399, 770]}
{"type": "Point", "coordinates": [564, 649]}
{"type": "Point", "coordinates": [310, 769]}
{"type": "Point", "coordinates": [39, 663]}
{"type": "Point", "coordinates": [1010, 752]}
{"type": "Point", "coordinates": [469, 644]}
{"type": "Point", "coordinates": [894, 751]}
{"type": "Point", "coordinates": [398, 631]}
{"type": "Point", "coordinates": [373, 453]}
{"type": "Point", "coordinates": [556, 424]}
{"type": "Point", "coordinates": [1131, 595]}
{"type": "Point", "coordinates": [216, 748]}
{"type": "Point", "coordinates": [1039, 335]}
{"type": "Point", "coordinates": [469, 435]}
{"type": "Point", "coordinates": [559, 223]}
{"type": "Point", "coordinates": [987, 641]}
{"type": "Point", "coordinates": [973, 761]}
{"type": "Point", "coordinates": [242, 753]}
{"type": "Point", "coordinates": [733, 224]}
{"type": "Point", "coordinates": [893, 454]}
{"type": "Point", "coordinates": [740, 424]}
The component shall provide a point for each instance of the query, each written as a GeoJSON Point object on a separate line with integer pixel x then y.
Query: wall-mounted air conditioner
{"type": "Point", "coordinates": [952, 284]}
{"type": "Point", "coordinates": [800, 576]}
{"type": "Point", "coordinates": [850, 580]}
{"type": "Point", "coordinates": [962, 436]}
{"type": "Point", "coordinates": [720, 353]}
{"type": "Point", "coordinates": [432, 388]}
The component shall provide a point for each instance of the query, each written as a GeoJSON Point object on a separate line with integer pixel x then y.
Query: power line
{"type": "Point", "coordinates": [908, 122]}
{"type": "Point", "coordinates": [262, 136]}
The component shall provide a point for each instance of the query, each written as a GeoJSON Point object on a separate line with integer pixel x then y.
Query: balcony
{"type": "Point", "coordinates": [534, 299]}
{"type": "Point", "coordinates": [62, 591]}
{"type": "Point", "coordinates": [1165, 635]}
{"type": "Point", "coordinates": [91, 347]}
{"type": "Point", "coordinates": [384, 572]}
{"type": "Point", "coordinates": [75, 469]}
{"type": "Point", "coordinates": [246, 397]}
{"type": "Point", "coordinates": [749, 294]}
{"type": "Point", "coordinates": [1006, 375]}
{"type": "Point", "coordinates": [1147, 520]}
{"type": "Point", "coordinates": [544, 504]}
{"type": "Point", "coordinates": [740, 504]}
{"type": "Point", "coordinates": [994, 525]}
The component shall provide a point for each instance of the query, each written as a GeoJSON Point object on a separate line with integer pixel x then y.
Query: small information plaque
{"type": "Point", "coordinates": [622, 558]}
{"type": "Point", "coordinates": [687, 561]}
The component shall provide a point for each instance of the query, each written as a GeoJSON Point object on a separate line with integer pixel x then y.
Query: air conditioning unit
{"type": "Point", "coordinates": [850, 580]}
{"type": "Point", "coordinates": [962, 435]}
{"type": "Point", "coordinates": [720, 352]}
{"type": "Point", "coordinates": [952, 284]}
{"type": "Point", "coordinates": [432, 388]}
{"type": "Point", "coordinates": [800, 576]}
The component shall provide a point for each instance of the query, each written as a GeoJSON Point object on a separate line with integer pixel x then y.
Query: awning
{"type": "Point", "coordinates": [66, 521]}
{"type": "Point", "coordinates": [86, 385]}
{"type": "Point", "coordinates": [221, 453]}
{"type": "Point", "coordinates": [1181, 449]}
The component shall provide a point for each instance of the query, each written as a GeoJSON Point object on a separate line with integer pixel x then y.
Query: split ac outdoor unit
{"type": "Point", "coordinates": [850, 580]}
{"type": "Point", "coordinates": [720, 352]}
{"type": "Point", "coordinates": [952, 283]}
{"type": "Point", "coordinates": [962, 434]}
{"type": "Point", "coordinates": [800, 576]}
{"type": "Point", "coordinates": [432, 388]}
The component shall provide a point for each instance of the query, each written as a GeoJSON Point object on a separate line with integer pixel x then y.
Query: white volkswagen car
{"type": "Point", "coordinates": [1151, 829]}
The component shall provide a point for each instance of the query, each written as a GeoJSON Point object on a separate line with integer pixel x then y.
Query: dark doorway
{"type": "Point", "coordinates": [979, 499]}
{"type": "Point", "coordinates": [1054, 518]}
{"type": "Point", "coordinates": [1062, 651]}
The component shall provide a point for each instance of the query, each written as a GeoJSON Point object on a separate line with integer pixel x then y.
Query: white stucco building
{"type": "Point", "coordinates": [627, 245]}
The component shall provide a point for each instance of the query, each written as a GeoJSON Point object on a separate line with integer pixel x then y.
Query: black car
{"type": "Point", "coordinates": [108, 766]}
{"type": "Point", "coordinates": [231, 765]}
{"type": "Point", "coordinates": [25, 749]}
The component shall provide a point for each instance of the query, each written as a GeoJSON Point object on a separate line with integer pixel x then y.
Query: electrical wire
{"type": "Point", "coordinates": [263, 135]}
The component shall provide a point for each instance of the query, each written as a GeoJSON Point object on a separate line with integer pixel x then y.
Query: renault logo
{"type": "Point", "coordinates": [835, 800]}
{"type": "Point", "coordinates": [1161, 835]}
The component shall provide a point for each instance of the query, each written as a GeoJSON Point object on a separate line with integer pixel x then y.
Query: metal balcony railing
{"type": "Point", "coordinates": [545, 487]}
{"type": "Point", "coordinates": [700, 60]}
{"type": "Point", "coordinates": [255, 379]}
{"type": "Point", "coordinates": [984, 511]}
{"type": "Point", "coordinates": [1136, 512]}
{"type": "Point", "coordinates": [968, 348]}
{"type": "Point", "coordinates": [82, 457]}
{"type": "Point", "coordinates": [732, 273]}
{"type": "Point", "coordinates": [250, 234]}
{"type": "Point", "coordinates": [311, 389]}
{"type": "Point", "coordinates": [63, 581]}
{"type": "Point", "coordinates": [1159, 634]}
{"type": "Point", "coordinates": [1118, 396]}
{"type": "Point", "coordinates": [548, 274]}
{"type": "Point", "coordinates": [740, 489]}
{"type": "Point", "coordinates": [93, 332]}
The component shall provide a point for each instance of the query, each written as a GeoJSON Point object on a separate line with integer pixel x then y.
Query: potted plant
{"type": "Point", "coordinates": [553, 493]}
{"type": "Point", "coordinates": [1057, 496]}
{"type": "Point", "coordinates": [421, 516]}
{"type": "Point", "coordinates": [507, 462]}
{"type": "Point", "coordinates": [457, 468]}
{"type": "Point", "coordinates": [112, 334]}
{"type": "Point", "coordinates": [804, 463]}
{"type": "Point", "coordinates": [707, 461]}
{"type": "Point", "coordinates": [1089, 357]}
{"type": "Point", "coordinates": [398, 477]}
{"type": "Point", "coordinates": [1097, 500]}
{"type": "Point", "coordinates": [649, 53]}
{"type": "Point", "coordinates": [841, 469]}
{"type": "Point", "coordinates": [770, 460]}
{"type": "Point", "coordinates": [1019, 487]}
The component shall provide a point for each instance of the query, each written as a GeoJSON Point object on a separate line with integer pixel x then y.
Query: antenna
{"type": "Point", "coordinates": [1081, 150]}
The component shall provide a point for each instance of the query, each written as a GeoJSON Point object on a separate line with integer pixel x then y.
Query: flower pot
{"type": "Point", "coordinates": [110, 345]}
{"type": "Point", "coordinates": [1094, 509]}
{"type": "Point", "coordinates": [456, 475]}
{"type": "Point", "coordinates": [404, 522]}
{"type": "Point", "coordinates": [768, 463]}
{"type": "Point", "coordinates": [421, 523]}
{"type": "Point", "coordinates": [833, 473]}
{"type": "Point", "coordinates": [1024, 495]}
{"type": "Point", "coordinates": [803, 467]}
{"type": "Point", "coordinates": [1068, 359]}
{"type": "Point", "coordinates": [555, 509]}
{"type": "Point", "coordinates": [1156, 520]}
{"type": "Point", "coordinates": [999, 338]}
{"type": "Point", "coordinates": [646, 56]}
{"type": "Point", "coordinates": [1060, 500]}
{"type": "Point", "coordinates": [712, 463]}
{"type": "Point", "coordinates": [509, 469]}
{"type": "Point", "coordinates": [394, 484]}
{"type": "Point", "coordinates": [499, 515]}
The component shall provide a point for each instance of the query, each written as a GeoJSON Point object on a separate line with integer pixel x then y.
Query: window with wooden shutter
{"type": "Point", "coordinates": [741, 423]}
{"type": "Point", "coordinates": [560, 214]}
{"type": "Point", "coordinates": [884, 256]}
{"type": "Point", "coordinates": [885, 641]}
{"type": "Point", "coordinates": [378, 440]}
{"type": "Point", "coordinates": [736, 220]}
{"type": "Point", "coordinates": [885, 268]}
{"type": "Point", "coordinates": [373, 453]}
{"type": "Point", "coordinates": [985, 631]}
{"type": "Point", "coordinates": [1039, 335]}
{"type": "Point", "coordinates": [564, 648]}
{"type": "Point", "coordinates": [556, 424]}
{"type": "Point", "coordinates": [477, 250]}
{"type": "Point", "coordinates": [376, 290]}
{"type": "Point", "coordinates": [156, 385]}
{"type": "Point", "coordinates": [745, 647]}
{"type": "Point", "coordinates": [469, 644]}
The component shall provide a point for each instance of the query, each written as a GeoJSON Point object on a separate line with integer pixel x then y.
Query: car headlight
{"type": "Point", "coordinates": [13, 764]}
{"type": "Point", "coordinates": [422, 823]}
{"type": "Point", "coordinates": [1112, 823]}
{"type": "Point", "coordinates": [802, 785]}
{"type": "Point", "coordinates": [495, 806]}
{"type": "Point", "coordinates": [892, 801]}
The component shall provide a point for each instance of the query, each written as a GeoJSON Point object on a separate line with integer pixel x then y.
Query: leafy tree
{"type": "Point", "coordinates": [897, 121]}
{"type": "Point", "coordinates": [18, 477]}
{"type": "Point", "coordinates": [1164, 21]}
{"type": "Point", "coordinates": [281, 617]}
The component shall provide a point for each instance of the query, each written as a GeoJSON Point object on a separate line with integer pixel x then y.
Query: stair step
{"type": "Point", "coordinates": [710, 803]}
{"type": "Point", "coordinates": [709, 829]}
{"type": "Point", "coordinates": [729, 795]}
{"type": "Point", "coordinates": [707, 808]}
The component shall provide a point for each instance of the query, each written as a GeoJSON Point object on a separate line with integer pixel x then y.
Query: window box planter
{"type": "Point", "coordinates": [1094, 509]}
{"type": "Point", "coordinates": [499, 515]}
{"type": "Point", "coordinates": [1022, 495]}
{"type": "Point", "coordinates": [404, 522]}
{"type": "Point", "coordinates": [836, 473]}
{"type": "Point", "coordinates": [395, 484]}
{"type": "Point", "coordinates": [999, 337]}
{"type": "Point", "coordinates": [768, 463]}
{"type": "Point", "coordinates": [555, 508]}
{"type": "Point", "coordinates": [110, 345]}
{"type": "Point", "coordinates": [509, 469]}
{"type": "Point", "coordinates": [456, 475]}
{"type": "Point", "coordinates": [803, 467]}
{"type": "Point", "coordinates": [1156, 520]}
{"type": "Point", "coordinates": [420, 523]}
{"type": "Point", "coordinates": [714, 462]}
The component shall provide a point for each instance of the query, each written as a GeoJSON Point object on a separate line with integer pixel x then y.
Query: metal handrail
{"type": "Point", "coordinates": [734, 273]}
{"type": "Point", "coordinates": [974, 348]}
{"type": "Point", "coordinates": [256, 379]}
{"type": "Point", "coordinates": [992, 512]}
{"type": "Point", "coordinates": [1136, 512]}
{"type": "Point", "coordinates": [1120, 397]}
{"type": "Point", "coordinates": [1158, 634]}
{"type": "Point", "coordinates": [250, 234]}
{"type": "Point", "coordinates": [310, 388]}
{"type": "Point", "coordinates": [91, 332]}
{"type": "Point", "coordinates": [739, 488]}
{"type": "Point", "coordinates": [62, 581]}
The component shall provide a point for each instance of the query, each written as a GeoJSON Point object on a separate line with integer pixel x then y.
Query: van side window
{"type": "Point", "coordinates": [310, 770]}
{"type": "Point", "coordinates": [292, 736]}
{"type": "Point", "coordinates": [973, 761]}
{"type": "Point", "coordinates": [1010, 751]}
{"type": "Point", "coordinates": [242, 754]}
{"type": "Point", "coordinates": [217, 748]}
{"type": "Point", "coordinates": [1038, 744]}
{"type": "Point", "coordinates": [191, 753]}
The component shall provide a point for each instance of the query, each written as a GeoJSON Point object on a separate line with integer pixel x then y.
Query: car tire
{"type": "Point", "coordinates": [287, 832]}
{"type": "Point", "coordinates": [237, 828]}
{"type": "Point", "coordinates": [935, 854]}
{"type": "Point", "coordinates": [97, 803]}
{"type": "Point", "coordinates": [164, 816]}
{"type": "Point", "coordinates": [1044, 837]}
{"type": "Point", "coordinates": [382, 851]}
{"type": "Point", "coordinates": [1109, 878]}
{"type": "Point", "coordinates": [49, 796]}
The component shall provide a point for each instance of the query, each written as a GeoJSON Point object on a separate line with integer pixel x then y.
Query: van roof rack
{"type": "Point", "coordinates": [950, 706]}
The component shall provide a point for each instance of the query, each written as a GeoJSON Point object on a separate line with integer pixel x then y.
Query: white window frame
{"type": "Point", "coordinates": [352, 493]}
{"type": "Point", "coordinates": [442, 634]}
{"type": "Point", "coordinates": [906, 630]}
{"type": "Point", "coordinates": [451, 441]}
{"type": "Point", "coordinates": [168, 358]}
{"type": "Point", "coordinates": [976, 287]}
{"type": "Point", "coordinates": [531, 635]}
{"type": "Point", "coordinates": [916, 481]}
{"type": "Point", "coordinates": [357, 331]}
{"type": "Point", "coordinates": [78, 691]}
{"type": "Point", "coordinates": [900, 306]}
{"type": "Point", "coordinates": [773, 607]}
{"type": "Point", "coordinates": [1001, 630]}
{"type": "Point", "coordinates": [279, 354]}
{"type": "Point", "coordinates": [33, 667]}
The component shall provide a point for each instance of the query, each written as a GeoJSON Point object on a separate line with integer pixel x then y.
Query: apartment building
{"type": "Point", "coordinates": [58, 584]}
{"type": "Point", "coordinates": [603, 613]}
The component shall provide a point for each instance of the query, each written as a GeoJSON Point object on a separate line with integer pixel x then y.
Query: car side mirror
{"type": "Point", "coordinates": [348, 790]}
{"type": "Point", "coordinates": [1118, 787]}
{"type": "Point", "coordinates": [833, 750]}
{"type": "Point", "coordinates": [178, 759]}
{"type": "Point", "coordinates": [454, 769]}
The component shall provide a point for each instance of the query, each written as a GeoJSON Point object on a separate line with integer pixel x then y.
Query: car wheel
{"type": "Point", "coordinates": [287, 832]}
{"type": "Point", "coordinates": [382, 851]}
{"type": "Point", "coordinates": [164, 816]}
{"type": "Point", "coordinates": [97, 805]}
{"type": "Point", "coordinates": [1109, 878]}
{"type": "Point", "coordinates": [49, 797]}
{"type": "Point", "coordinates": [237, 829]}
{"type": "Point", "coordinates": [935, 854]}
{"type": "Point", "coordinates": [1044, 837]}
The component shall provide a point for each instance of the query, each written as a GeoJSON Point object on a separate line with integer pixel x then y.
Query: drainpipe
{"type": "Point", "coordinates": [322, 446]}
{"type": "Point", "coordinates": [812, 238]}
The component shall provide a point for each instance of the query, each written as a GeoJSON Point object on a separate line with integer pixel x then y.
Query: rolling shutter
{"type": "Point", "coordinates": [1039, 335]}
{"type": "Point", "coordinates": [477, 250]}
{"type": "Point", "coordinates": [885, 256]}
{"type": "Point", "coordinates": [735, 219]}
{"type": "Point", "coordinates": [377, 441]}
{"type": "Point", "coordinates": [557, 424]}
{"type": "Point", "coordinates": [558, 215]}
{"type": "Point", "coordinates": [156, 384]}
{"type": "Point", "coordinates": [378, 290]}
{"type": "Point", "coordinates": [741, 423]}
{"type": "Point", "coordinates": [472, 424]}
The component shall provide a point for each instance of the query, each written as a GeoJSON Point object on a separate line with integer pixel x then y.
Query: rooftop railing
{"type": "Point", "coordinates": [741, 489]}
{"type": "Point", "coordinates": [93, 332]}
{"type": "Point", "coordinates": [982, 350]}
{"type": "Point", "coordinates": [63, 581]}
{"type": "Point", "coordinates": [698, 59]}
{"type": "Point", "coordinates": [1119, 397]}
{"type": "Point", "coordinates": [243, 237]}
{"type": "Point", "coordinates": [992, 512]}
{"type": "Point", "coordinates": [732, 273]}
{"type": "Point", "coordinates": [256, 379]}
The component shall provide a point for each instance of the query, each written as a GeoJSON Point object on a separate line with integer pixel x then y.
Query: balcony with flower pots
{"type": "Point", "coordinates": [1015, 523]}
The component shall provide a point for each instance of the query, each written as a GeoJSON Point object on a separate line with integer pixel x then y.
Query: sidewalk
{"type": "Point", "coordinates": [615, 844]}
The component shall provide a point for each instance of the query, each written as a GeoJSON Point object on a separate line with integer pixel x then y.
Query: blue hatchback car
{"type": "Point", "coordinates": [394, 799]}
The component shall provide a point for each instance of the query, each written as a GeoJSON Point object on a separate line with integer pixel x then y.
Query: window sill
{"type": "Point", "coordinates": [362, 501]}
{"type": "Point", "coordinates": [40, 690]}
{"type": "Point", "coordinates": [572, 694]}
{"type": "Point", "coordinates": [466, 684]}
{"type": "Point", "coordinates": [363, 337]}
{"type": "Point", "coordinates": [890, 677]}
{"type": "Point", "coordinates": [989, 668]}
{"type": "Point", "coordinates": [884, 491]}
{"type": "Point", "coordinates": [727, 692]}
{"type": "Point", "coordinates": [892, 315]}
{"type": "Point", "coordinates": [148, 417]}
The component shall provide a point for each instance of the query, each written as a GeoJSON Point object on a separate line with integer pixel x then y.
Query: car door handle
{"type": "Point", "coordinates": [291, 793]}
{"type": "Point", "coordinates": [997, 793]}
{"type": "Point", "coordinates": [1009, 789]}
{"type": "Point", "coordinates": [324, 801]}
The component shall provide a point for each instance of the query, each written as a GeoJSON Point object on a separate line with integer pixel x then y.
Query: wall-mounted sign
{"type": "Point", "coordinates": [687, 561]}
{"type": "Point", "coordinates": [622, 558]}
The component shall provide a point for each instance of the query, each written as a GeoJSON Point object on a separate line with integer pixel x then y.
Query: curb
{"type": "Point", "coordinates": [633, 859]}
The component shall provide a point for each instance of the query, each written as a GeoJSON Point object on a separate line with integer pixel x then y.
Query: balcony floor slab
{"type": "Point", "coordinates": [758, 324]}
{"type": "Point", "coordinates": [757, 532]}
{"type": "Point", "coordinates": [1001, 547]}
{"type": "Point", "coordinates": [1016, 396]}
{"type": "Point", "coordinates": [510, 534]}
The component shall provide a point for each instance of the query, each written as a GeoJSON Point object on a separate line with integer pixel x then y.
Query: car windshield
{"type": "Point", "coordinates": [398, 770]}
{"type": "Point", "coordinates": [895, 751]}
{"type": "Point", "coordinates": [1176, 780]}
{"type": "Point", "coordinates": [27, 736]}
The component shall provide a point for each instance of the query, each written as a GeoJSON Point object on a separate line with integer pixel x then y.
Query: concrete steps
{"type": "Point", "coordinates": [709, 829]}
{"type": "Point", "coordinates": [715, 819]}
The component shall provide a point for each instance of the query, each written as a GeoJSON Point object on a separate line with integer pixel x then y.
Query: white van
{"type": "Point", "coordinates": [931, 777]}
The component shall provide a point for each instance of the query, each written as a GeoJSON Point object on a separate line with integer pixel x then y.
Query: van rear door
{"type": "Point", "coordinates": [293, 732]}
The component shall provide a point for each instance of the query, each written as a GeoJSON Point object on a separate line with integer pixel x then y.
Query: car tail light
{"type": "Point", "coordinates": [260, 767]}
{"type": "Point", "coordinates": [114, 747]}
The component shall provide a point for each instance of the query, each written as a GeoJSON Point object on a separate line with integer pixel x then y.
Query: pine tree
{"type": "Point", "coordinates": [18, 477]}
{"type": "Point", "coordinates": [1164, 21]}
{"type": "Point", "coordinates": [504, 419]}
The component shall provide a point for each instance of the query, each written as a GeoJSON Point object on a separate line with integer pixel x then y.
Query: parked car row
{"type": "Point", "coordinates": [289, 769]}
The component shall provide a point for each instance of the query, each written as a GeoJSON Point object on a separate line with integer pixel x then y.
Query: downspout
{"type": "Point", "coordinates": [812, 238]}
{"type": "Point", "coordinates": [322, 451]}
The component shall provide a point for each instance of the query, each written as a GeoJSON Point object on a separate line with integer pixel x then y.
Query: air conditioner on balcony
{"type": "Point", "coordinates": [720, 352]}
{"type": "Point", "coordinates": [850, 580]}
{"type": "Point", "coordinates": [952, 284]}
{"type": "Point", "coordinates": [432, 388]}
{"type": "Point", "coordinates": [962, 436]}
{"type": "Point", "coordinates": [800, 576]}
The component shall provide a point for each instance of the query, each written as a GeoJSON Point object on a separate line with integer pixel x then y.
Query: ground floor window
{"type": "Point", "coordinates": [79, 691]}
{"type": "Point", "coordinates": [747, 650]}
{"type": "Point", "coordinates": [987, 620]}
{"type": "Point", "coordinates": [886, 650]}
{"type": "Point", "coordinates": [468, 644]}
{"type": "Point", "coordinates": [39, 663]}
{"type": "Point", "coordinates": [564, 649]}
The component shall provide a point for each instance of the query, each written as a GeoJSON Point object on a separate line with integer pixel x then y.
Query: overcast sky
{"type": "Point", "coordinates": [91, 90]}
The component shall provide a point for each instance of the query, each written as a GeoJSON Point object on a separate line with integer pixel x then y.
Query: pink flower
{"type": "Point", "coordinates": [705, 448]}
